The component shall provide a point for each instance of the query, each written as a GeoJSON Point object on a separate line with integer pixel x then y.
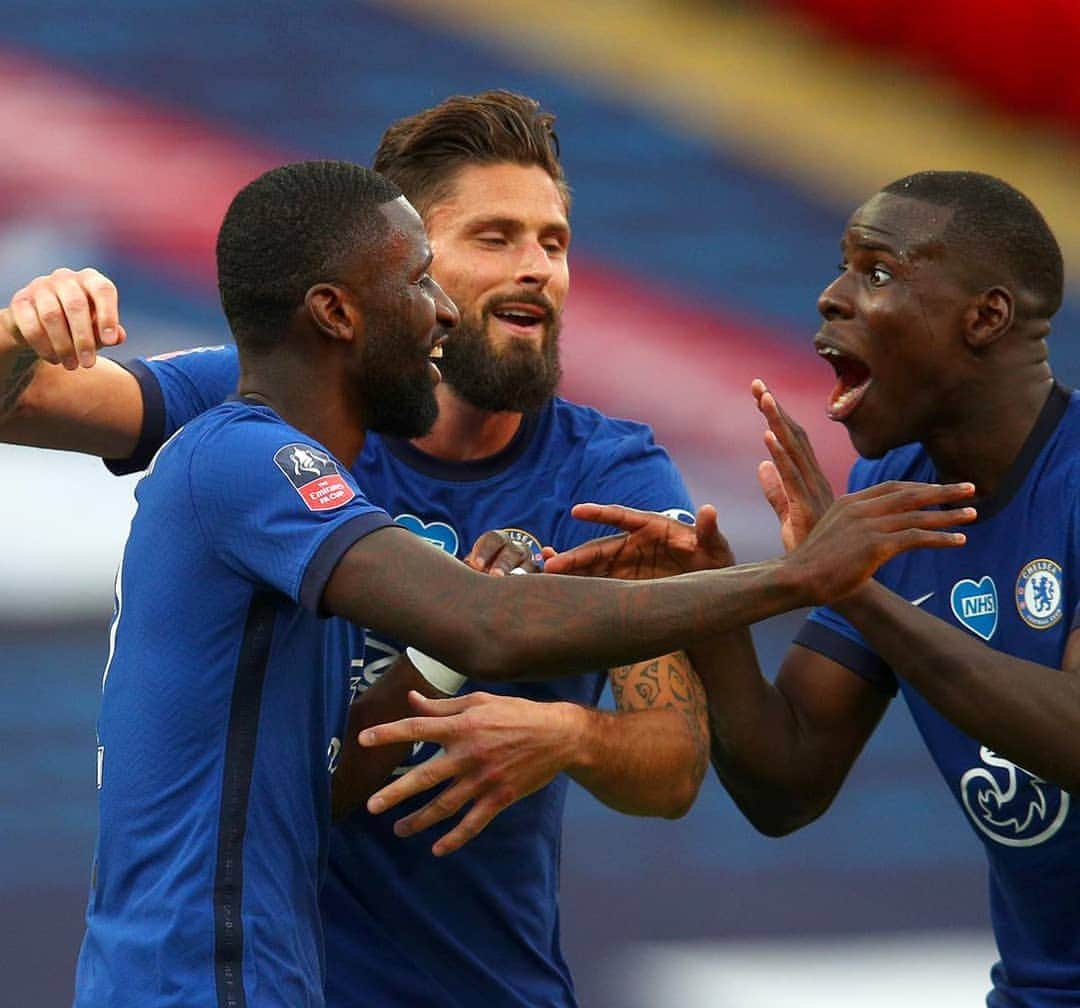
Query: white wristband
{"type": "Point", "coordinates": [441, 676]}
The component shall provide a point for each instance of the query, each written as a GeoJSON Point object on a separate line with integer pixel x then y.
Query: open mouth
{"type": "Point", "coordinates": [853, 379]}
{"type": "Point", "coordinates": [521, 316]}
{"type": "Point", "coordinates": [436, 351]}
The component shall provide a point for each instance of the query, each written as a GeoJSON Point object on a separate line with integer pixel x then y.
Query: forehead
{"type": "Point", "coordinates": [905, 226]}
{"type": "Point", "coordinates": [407, 237]}
{"type": "Point", "coordinates": [525, 193]}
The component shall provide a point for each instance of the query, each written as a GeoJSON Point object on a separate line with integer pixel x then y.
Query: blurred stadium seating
{"type": "Point", "coordinates": [714, 151]}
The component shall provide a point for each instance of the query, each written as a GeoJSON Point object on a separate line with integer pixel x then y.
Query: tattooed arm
{"type": "Point", "coordinates": [649, 756]}
{"type": "Point", "coordinates": [17, 365]}
{"type": "Point", "coordinates": [646, 758]}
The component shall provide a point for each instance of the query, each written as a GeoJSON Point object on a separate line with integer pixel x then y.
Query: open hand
{"type": "Point", "coordinates": [496, 750]}
{"type": "Point", "coordinates": [651, 545]}
{"type": "Point", "coordinates": [861, 531]}
{"type": "Point", "coordinates": [792, 480]}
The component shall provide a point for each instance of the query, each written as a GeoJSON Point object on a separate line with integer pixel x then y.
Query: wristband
{"type": "Point", "coordinates": [435, 673]}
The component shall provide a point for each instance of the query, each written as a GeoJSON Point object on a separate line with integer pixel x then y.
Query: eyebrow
{"type": "Point", "coordinates": [515, 224]}
{"type": "Point", "coordinates": [868, 244]}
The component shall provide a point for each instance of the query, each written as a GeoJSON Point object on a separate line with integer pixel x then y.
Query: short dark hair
{"type": "Point", "coordinates": [996, 226]}
{"type": "Point", "coordinates": [423, 153]}
{"type": "Point", "coordinates": [287, 230]}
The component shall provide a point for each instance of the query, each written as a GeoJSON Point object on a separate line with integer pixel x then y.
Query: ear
{"type": "Point", "coordinates": [988, 317]}
{"type": "Point", "coordinates": [334, 312]}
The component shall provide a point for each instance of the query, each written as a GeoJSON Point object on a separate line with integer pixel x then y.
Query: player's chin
{"type": "Point", "coordinates": [869, 439]}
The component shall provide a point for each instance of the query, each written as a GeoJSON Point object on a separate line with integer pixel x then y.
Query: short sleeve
{"type": "Point", "coordinates": [176, 388]}
{"type": "Point", "coordinates": [829, 634]}
{"type": "Point", "coordinates": [633, 470]}
{"type": "Point", "coordinates": [275, 506]}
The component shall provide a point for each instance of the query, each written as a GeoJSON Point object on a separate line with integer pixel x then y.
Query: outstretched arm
{"type": "Point", "coordinates": [492, 628]}
{"type": "Point", "coordinates": [55, 392]}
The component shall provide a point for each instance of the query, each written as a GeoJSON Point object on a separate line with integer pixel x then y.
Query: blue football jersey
{"type": "Point", "coordinates": [222, 708]}
{"type": "Point", "coordinates": [1016, 586]}
{"type": "Point", "coordinates": [482, 926]}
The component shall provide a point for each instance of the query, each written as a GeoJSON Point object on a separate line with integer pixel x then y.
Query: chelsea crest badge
{"type": "Point", "coordinates": [1038, 594]}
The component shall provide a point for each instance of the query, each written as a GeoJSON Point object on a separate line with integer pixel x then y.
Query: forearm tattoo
{"type": "Point", "coordinates": [667, 683]}
{"type": "Point", "coordinates": [14, 383]}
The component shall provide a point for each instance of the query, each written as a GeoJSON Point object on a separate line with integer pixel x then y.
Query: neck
{"type": "Point", "coordinates": [306, 401]}
{"type": "Point", "coordinates": [989, 428]}
{"type": "Point", "coordinates": [463, 432]}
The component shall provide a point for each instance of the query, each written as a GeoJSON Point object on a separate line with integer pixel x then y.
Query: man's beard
{"type": "Point", "coordinates": [391, 398]}
{"type": "Point", "coordinates": [518, 378]}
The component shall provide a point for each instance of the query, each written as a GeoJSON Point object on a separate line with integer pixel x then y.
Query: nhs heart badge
{"type": "Point", "coordinates": [975, 605]}
{"type": "Point", "coordinates": [437, 533]}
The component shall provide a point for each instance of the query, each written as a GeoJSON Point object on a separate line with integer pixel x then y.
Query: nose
{"type": "Point", "coordinates": [834, 301]}
{"type": "Point", "coordinates": [535, 267]}
{"type": "Point", "coordinates": [446, 312]}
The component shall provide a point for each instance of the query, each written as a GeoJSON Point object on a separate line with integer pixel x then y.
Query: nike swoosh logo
{"type": "Point", "coordinates": [921, 599]}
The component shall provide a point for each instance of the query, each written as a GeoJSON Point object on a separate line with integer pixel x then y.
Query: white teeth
{"type": "Point", "coordinates": [436, 352]}
{"type": "Point", "coordinates": [844, 399]}
{"type": "Point", "coordinates": [828, 351]}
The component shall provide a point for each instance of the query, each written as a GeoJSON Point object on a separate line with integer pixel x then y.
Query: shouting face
{"type": "Point", "coordinates": [892, 326]}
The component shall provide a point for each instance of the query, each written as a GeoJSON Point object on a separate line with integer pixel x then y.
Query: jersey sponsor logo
{"type": "Point", "coordinates": [437, 533]}
{"type": "Point", "coordinates": [172, 354]}
{"type": "Point", "coordinates": [526, 539]}
{"type": "Point", "coordinates": [679, 514]}
{"type": "Point", "coordinates": [975, 605]}
{"type": "Point", "coordinates": [315, 477]}
{"type": "Point", "coordinates": [1009, 805]}
{"type": "Point", "coordinates": [1038, 594]}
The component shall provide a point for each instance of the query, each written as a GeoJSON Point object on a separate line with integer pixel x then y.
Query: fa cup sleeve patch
{"type": "Point", "coordinates": [315, 477]}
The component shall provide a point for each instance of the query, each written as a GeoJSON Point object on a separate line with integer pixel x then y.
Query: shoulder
{"type": "Point", "coordinates": [613, 459]}
{"type": "Point", "coordinates": [599, 436]}
{"type": "Point", "coordinates": [242, 439]}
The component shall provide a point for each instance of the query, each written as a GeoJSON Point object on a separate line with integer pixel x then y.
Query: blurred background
{"type": "Point", "coordinates": [715, 150]}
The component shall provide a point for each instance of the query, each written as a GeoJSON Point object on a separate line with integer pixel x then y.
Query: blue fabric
{"type": "Point", "coordinates": [1016, 584]}
{"type": "Point", "coordinates": [222, 697]}
{"type": "Point", "coordinates": [481, 926]}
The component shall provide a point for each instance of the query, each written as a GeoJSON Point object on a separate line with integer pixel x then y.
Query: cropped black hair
{"type": "Point", "coordinates": [994, 224]}
{"type": "Point", "coordinates": [289, 229]}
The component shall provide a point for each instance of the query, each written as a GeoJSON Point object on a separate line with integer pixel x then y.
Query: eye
{"type": "Point", "coordinates": [492, 240]}
{"type": "Point", "coordinates": [554, 247]}
{"type": "Point", "coordinates": [879, 276]}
